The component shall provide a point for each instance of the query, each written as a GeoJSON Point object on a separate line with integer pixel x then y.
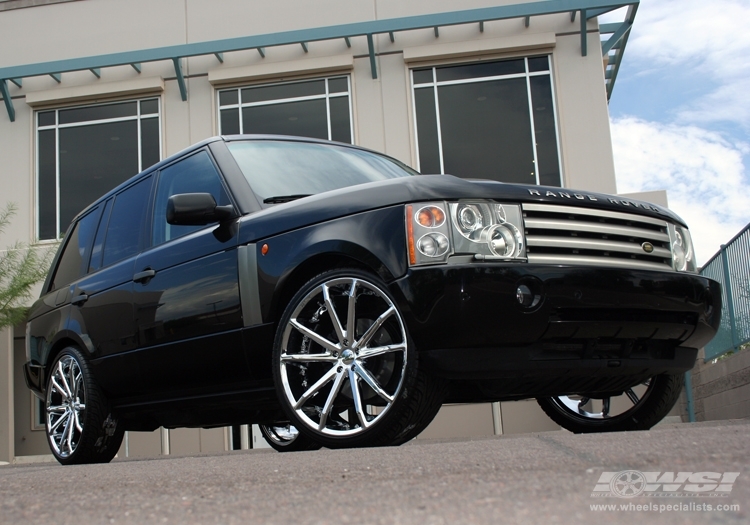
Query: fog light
{"type": "Point", "coordinates": [526, 297]}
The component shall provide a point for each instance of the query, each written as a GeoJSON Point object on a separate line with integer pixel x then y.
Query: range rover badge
{"type": "Point", "coordinates": [647, 247]}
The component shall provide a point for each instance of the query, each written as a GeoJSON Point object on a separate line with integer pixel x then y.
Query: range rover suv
{"type": "Point", "coordinates": [337, 298]}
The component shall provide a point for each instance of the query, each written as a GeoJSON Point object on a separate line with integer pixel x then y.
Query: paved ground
{"type": "Point", "coordinates": [538, 478]}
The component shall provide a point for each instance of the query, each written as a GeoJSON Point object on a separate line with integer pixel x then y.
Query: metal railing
{"type": "Point", "coordinates": [731, 267]}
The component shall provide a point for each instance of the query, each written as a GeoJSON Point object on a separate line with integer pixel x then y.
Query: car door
{"type": "Point", "coordinates": [102, 301]}
{"type": "Point", "coordinates": [187, 303]}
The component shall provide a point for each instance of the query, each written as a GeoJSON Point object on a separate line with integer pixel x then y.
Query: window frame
{"type": "Point", "coordinates": [527, 74]}
{"type": "Point", "coordinates": [327, 96]}
{"type": "Point", "coordinates": [138, 117]}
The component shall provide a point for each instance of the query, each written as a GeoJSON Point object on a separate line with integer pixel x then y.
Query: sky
{"type": "Point", "coordinates": [680, 113]}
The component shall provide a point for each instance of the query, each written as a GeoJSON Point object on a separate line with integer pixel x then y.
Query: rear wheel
{"type": "Point", "coordinates": [77, 420]}
{"type": "Point", "coordinates": [637, 408]}
{"type": "Point", "coordinates": [344, 368]}
{"type": "Point", "coordinates": [284, 437]}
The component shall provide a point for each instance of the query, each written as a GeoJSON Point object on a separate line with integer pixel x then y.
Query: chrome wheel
{"type": "Point", "coordinates": [66, 406]}
{"type": "Point", "coordinates": [639, 407]}
{"type": "Point", "coordinates": [342, 356]}
{"type": "Point", "coordinates": [606, 407]}
{"type": "Point", "coordinates": [284, 437]}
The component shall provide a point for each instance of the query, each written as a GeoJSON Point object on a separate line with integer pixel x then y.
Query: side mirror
{"type": "Point", "coordinates": [196, 209]}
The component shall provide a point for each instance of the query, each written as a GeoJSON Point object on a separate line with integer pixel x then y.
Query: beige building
{"type": "Point", "coordinates": [96, 90]}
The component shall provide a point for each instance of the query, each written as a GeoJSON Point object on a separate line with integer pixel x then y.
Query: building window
{"type": "Point", "coordinates": [319, 108]}
{"type": "Point", "coordinates": [488, 120]}
{"type": "Point", "coordinates": [83, 152]}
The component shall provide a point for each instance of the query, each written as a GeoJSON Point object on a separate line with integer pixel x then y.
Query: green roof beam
{"type": "Point", "coordinates": [180, 78]}
{"type": "Point", "coordinates": [8, 101]}
{"type": "Point", "coordinates": [136, 66]}
{"type": "Point", "coordinates": [623, 30]}
{"type": "Point", "coordinates": [262, 52]}
{"type": "Point", "coordinates": [17, 81]}
{"type": "Point", "coordinates": [584, 35]}
{"type": "Point", "coordinates": [57, 77]}
{"type": "Point", "coordinates": [219, 57]}
{"type": "Point", "coordinates": [97, 72]}
{"type": "Point", "coordinates": [304, 46]}
{"type": "Point", "coordinates": [371, 49]}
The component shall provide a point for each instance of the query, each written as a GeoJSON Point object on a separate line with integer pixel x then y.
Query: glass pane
{"type": "Point", "coordinates": [429, 153]}
{"type": "Point", "coordinates": [228, 97]}
{"type": "Point", "coordinates": [72, 261]}
{"type": "Point", "coordinates": [482, 69]}
{"type": "Point", "coordinates": [486, 131]}
{"type": "Point", "coordinates": [149, 142]}
{"type": "Point", "coordinates": [304, 119]}
{"type": "Point", "coordinates": [195, 174]}
{"type": "Point", "coordinates": [276, 168]}
{"type": "Point", "coordinates": [123, 109]}
{"type": "Point", "coordinates": [149, 107]}
{"type": "Point", "coordinates": [423, 76]}
{"type": "Point", "coordinates": [47, 185]}
{"type": "Point", "coordinates": [544, 129]}
{"type": "Point", "coordinates": [46, 118]}
{"type": "Point", "coordinates": [281, 91]}
{"type": "Point", "coordinates": [230, 121]}
{"type": "Point", "coordinates": [93, 160]}
{"type": "Point", "coordinates": [341, 130]}
{"type": "Point", "coordinates": [124, 228]}
{"type": "Point", "coordinates": [338, 85]}
{"type": "Point", "coordinates": [539, 64]}
{"type": "Point", "coordinates": [96, 251]}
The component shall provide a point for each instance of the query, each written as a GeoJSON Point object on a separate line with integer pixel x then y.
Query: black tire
{"type": "Point", "coordinates": [661, 394]}
{"type": "Point", "coordinates": [344, 389]}
{"type": "Point", "coordinates": [75, 403]}
{"type": "Point", "coordinates": [284, 437]}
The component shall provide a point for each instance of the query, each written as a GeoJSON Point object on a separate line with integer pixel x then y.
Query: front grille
{"type": "Point", "coordinates": [583, 236]}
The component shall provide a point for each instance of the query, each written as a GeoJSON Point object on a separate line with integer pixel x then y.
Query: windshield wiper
{"type": "Point", "coordinates": [278, 199]}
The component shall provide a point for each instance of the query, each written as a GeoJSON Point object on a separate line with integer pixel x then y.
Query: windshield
{"type": "Point", "coordinates": [279, 171]}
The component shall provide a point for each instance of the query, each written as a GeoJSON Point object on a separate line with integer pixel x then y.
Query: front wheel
{"type": "Point", "coordinates": [344, 368]}
{"type": "Point", "coordinates": [637, 408]}
{"type": "Point", "coordinates": [77, 420]}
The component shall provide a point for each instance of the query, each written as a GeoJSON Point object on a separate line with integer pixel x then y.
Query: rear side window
{"type": "Point", "coordinates": [126, 222]}
{"type": "Point", "coordinates": [74, 258]}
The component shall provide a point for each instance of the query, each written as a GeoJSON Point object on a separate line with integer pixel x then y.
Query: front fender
{"type": "Point", "coordinates": [375, 239]}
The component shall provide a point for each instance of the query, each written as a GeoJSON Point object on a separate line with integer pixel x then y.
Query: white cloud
{"type": "Point", "coordinates": [706, 40]}
{"type": "Point", "coordinates": [703, 173]}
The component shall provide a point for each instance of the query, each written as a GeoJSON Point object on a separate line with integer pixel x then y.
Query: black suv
{"type": "Point", "coordinates": [337, 298]}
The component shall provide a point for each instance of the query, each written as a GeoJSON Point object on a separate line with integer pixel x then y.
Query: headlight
{"type": "Point", "coordinates": [683, 255]}
{"type": "Point", "coordinates": [482, 229]}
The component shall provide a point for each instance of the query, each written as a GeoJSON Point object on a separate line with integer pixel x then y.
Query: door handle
{"type": "Point", "coordinates": [80, 299]}
{"type": "Point", "coordinates": [144, 276]}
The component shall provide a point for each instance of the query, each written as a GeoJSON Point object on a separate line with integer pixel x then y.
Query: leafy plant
{"type": "Point", "coordinates": [21, 267]}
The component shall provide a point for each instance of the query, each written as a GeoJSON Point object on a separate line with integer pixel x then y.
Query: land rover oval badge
{"type": "Point", "coordinates": [647, 247]}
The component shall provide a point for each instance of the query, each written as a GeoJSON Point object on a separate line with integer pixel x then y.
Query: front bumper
{"type": "Point", "coordinates": [467, 322]}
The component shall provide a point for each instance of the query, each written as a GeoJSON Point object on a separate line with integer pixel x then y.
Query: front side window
{"type": "Point", "coordinates": [195, 174]}
{"type": "Point", "coordinates": [83, 152]}
{"type": "Point", "coordinates": [488, 120]}
{"type": "Point", "coordinates": [319, 108]}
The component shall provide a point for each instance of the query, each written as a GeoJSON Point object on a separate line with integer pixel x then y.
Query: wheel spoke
{"type": "Point", "coordinates": [340, 332]}
{"type": "Point", "coordinates": [322, 341]}
{"type": "Point", "coordinates": [364, 374]}
{"type": "Point", "coordinates": [351, 318]}
{"type": "Point", "coordinates": [582, 403]}
{"type": "Point", "coordinates": [368, 335]}
{"type": "Point", "coordinates": [380, 350]}
{"type": "Point", "coordinates": [59, 388]}
{"type": "Point", "coordinates": [62, 419]}
{"type": "Point", "coordinates": [56, 408]}
{"type": "Point", "coordinates": [316, 387]}
{"type": "Point", "coordinates": [65, 435]}
{"type": "Point", "coordinates": [61, 376]}
{"type": "Point", "coordinates": [308, 358]}
{"type": "Point", "coordinates": [331, 398]}
{"type": "Point", "coordinates": [632, 395]}
{"type": "Point", "coordinates": [77, 421]}
{"type": "Point", "coordinates": [605, 406]}
{"type": "Point", "coordinates": [357, 400]}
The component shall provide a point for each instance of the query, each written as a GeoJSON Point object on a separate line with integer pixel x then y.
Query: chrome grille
{"type": "Point", "coordinates": [583, 236]}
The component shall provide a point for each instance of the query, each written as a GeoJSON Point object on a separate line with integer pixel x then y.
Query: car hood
{"type": "Point", "coordinates": [306, 211]}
